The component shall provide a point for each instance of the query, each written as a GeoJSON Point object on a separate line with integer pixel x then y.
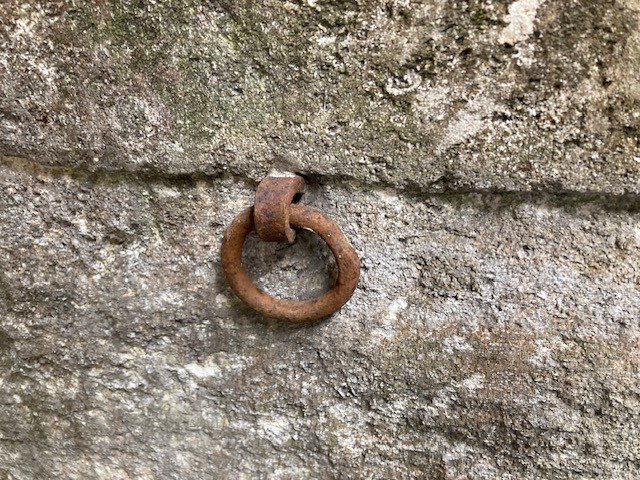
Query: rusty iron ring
{"type": "Point", "coordinates": [298, 311]}
{"type": "Point", "coordinates": [271, 207]}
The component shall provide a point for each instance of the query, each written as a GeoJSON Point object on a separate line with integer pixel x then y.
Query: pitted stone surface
{"type": "Point", "coordinates": [493, 336]}
{"type": "Point", "coordinates": [439, 95]}
{"type": "Point", "coordinates": [482, 157]}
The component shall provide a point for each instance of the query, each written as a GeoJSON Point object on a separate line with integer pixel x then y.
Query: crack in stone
{"type": "Point", "coordinates": [483, 198]}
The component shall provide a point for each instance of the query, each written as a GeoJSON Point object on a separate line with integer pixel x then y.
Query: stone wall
{"type": "Point", "coordinates": [483, 157]}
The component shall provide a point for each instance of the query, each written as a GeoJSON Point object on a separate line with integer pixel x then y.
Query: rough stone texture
{"type": "Point", "coordinates": [476, 95]}
{"type": "Point", "coordinates": [482, 156]}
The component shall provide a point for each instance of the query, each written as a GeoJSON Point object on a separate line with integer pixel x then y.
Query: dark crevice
{"type": "Point", "coordinates": [487, 198]}
{"type": "Point", "coordinates": [109, 176]}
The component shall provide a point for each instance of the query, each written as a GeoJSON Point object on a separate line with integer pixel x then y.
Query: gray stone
{"type": "Point", "coordinates": [481, 156]}
{"type": "Point", "coordinates": [440, 95]}
{"type": "Point", "coordinates": [492, 336]}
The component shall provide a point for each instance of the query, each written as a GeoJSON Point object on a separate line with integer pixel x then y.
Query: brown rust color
{"type": "Point", "coordinates": [271, 208]}
{"type": "Point", "coordinates": [299, 311]}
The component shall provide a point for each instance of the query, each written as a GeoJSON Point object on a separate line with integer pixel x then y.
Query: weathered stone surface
{"type": "Point", "coordinates": [482, 156]}
{"type": "Point", "coordinates": [492, 336]}
{"type": "Point", "coordinates": [475, 95]}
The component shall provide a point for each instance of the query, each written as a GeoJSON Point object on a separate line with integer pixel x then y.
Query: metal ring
{"type": "Point", "coordinates": [299, 311]}
{"type": "Point", "coordinates": [271, 208]}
